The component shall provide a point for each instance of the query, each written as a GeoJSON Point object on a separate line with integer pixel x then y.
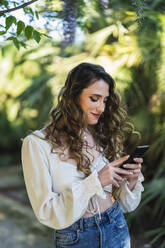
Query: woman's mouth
{"type": "Point", "coordinates": [96, 115]}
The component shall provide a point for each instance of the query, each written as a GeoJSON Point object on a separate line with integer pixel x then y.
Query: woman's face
{"type": "Point", "coordinates": [93, 100]}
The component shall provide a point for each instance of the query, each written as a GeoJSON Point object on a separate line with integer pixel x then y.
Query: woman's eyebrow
{"type": "Point", "coordinates": [99, 95]}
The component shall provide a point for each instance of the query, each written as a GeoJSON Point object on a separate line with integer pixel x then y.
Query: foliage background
{"type": "Point", "coordinates": [134, 55]}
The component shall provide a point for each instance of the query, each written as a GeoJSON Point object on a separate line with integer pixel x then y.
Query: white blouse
{"type": "Point", "coordinates": [58, 193]}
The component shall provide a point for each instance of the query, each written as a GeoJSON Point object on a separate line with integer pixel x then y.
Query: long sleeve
{"type": "Point", "coordinates": [57, 210]}
{"type": "Point", "coordinates": [129, 200]}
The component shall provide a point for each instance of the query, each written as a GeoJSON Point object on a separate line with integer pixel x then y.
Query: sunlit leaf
{"type": "Point", "coordinates": [5, 3]}
{"type": "Point", "coordinates": [20, 27]}
{"type": "Point", "coordinates": [16, 43]}
{"type": "Point", "coordinates": [23, 44]}
{"type": "Point", "coordinates": [9, 21]}
{"type": "Point", "coordinates": [10, 38]}
{"type": "Point", "coordinates": [2, 32]}
{"type": "Point", "coordinates": [3, 51]}
{"type": "Point", "coordinates": [36, 36]}
{"type": "Point", "coordinates": [31, 11]}
{"type": "Point", "coordinates": [29, 31]}
{"type": "Point", "coordinates": [46, 35]}
{"type": "Point", "coordinates": [36, 14]}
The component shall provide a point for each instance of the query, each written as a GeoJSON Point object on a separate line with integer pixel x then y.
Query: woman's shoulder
{"type": "Point", "coordinates": [37, 136]}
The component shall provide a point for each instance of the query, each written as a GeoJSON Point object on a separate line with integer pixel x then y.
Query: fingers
{"type": "Point", "coordinates": [132, 166]}
{"type": "Point", "coordinates": [115, 183]}
{"type": "Point", "coordinates": [136, 171]}
{"type": "Point", "coordinates": [133, 176]}
{"type": "Point", "coordinates": [115, 176]}
{"type": "Point", "coordinates": [118, 178]}
{"type": "Point", "coordinates": [123, 171]}
{"type": "Point", "coordinates": [118, 162]}
{"type": "Point", "coordinates": [136, 166]}
{"type": "Point", "coordinates": [130, 171]}
{"type": "Point", "coordinates": [138, 160]}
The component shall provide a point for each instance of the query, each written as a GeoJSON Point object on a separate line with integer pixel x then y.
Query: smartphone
{"type": "Point", "coordinates": [138, 153]}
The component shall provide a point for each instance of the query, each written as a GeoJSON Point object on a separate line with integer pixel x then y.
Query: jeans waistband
{"type": "Point", "coordinates": [107, 215]}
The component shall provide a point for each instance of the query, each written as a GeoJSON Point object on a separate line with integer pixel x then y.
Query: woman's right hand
{"type": "Point", "coordinates": [112, 174]}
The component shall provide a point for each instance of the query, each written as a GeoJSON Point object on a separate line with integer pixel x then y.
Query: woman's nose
{"type": "Point", "coordinates": [101, 107]}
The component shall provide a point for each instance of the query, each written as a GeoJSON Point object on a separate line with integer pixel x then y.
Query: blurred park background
{"type": "Point", "coordinates": [128, 40]}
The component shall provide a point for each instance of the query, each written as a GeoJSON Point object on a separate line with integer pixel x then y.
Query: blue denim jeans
{"type": "Point", "coordinates": [110, 231]}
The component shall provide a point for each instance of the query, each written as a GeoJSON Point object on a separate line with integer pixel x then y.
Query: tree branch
{"type": "Point", "coordinates": [18, 7]}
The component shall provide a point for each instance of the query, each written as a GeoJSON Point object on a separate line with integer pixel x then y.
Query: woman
{"type": "Point", "coordinates": [71, 165]}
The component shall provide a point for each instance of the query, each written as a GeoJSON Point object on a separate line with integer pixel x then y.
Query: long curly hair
{"type": "Point", "coordinates": [67, 119]}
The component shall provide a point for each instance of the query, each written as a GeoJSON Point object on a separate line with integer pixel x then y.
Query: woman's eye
{"type": "Point", "coordinates": [93, 99]}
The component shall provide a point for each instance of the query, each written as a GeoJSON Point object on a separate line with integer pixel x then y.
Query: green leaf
{"type": "Point", "coordinates": [25, 10]}
{"type": "Point", "coordinates": [42, 34]}
{"type": "Point", "coordinates": [29, 31]}
{"type": "Point", "coordinates": [14, 20]}
{"type": "Point", "coordinates": [10, 38]}
{"type": "Point", "coordinates": [15, 4]}
{"type": "Point", "coordinates": [20, 27]}
{"type": "Point", "coordinates": [3, 51]}
{"type": "Point", "coordinates": [2, 32]}
{"type": "Point", "coordinates": [36, 14]}
{"type": "Point", "coordinates": [9, 21]}
{"type": "Point", "coordinates": [5, 3]}
{"type": "Point", "coordinates": [16, 43]}
{"type": "Point", "coordinates": [31, 11]}
{"type": "Point", "coordinates": [22, 44]}
{"type": "Point", "coordinates": [36, 36]}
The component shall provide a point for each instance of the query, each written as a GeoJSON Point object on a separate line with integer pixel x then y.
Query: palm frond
{"type": "Point", "coordinates": [157, 233]}
{"type": "Point", "coordinates": [155, 190]}
{"type": "Point", "coordinates": [158, 145]}
{"type": "Point", "coordinates": [95, 41]}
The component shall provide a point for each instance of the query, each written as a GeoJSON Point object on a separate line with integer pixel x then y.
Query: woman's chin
{"type": "Point", "coordinates": [92, 122]}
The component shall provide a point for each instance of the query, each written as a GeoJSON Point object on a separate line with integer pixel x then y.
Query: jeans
{"type": "Point", "coordinates": [110, 231]}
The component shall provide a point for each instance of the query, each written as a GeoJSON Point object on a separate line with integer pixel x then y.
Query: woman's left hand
{"type": "Point", "coordinates": [136, 169]}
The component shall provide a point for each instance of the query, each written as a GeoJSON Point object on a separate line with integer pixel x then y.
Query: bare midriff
{"type": "Point", "coordinates": [104, 204]}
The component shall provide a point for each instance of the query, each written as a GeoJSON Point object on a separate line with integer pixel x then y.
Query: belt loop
{"type": "Point", "coordinates": [109, 217]}
{"type": "Point", "coordinates": [81, 224]}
